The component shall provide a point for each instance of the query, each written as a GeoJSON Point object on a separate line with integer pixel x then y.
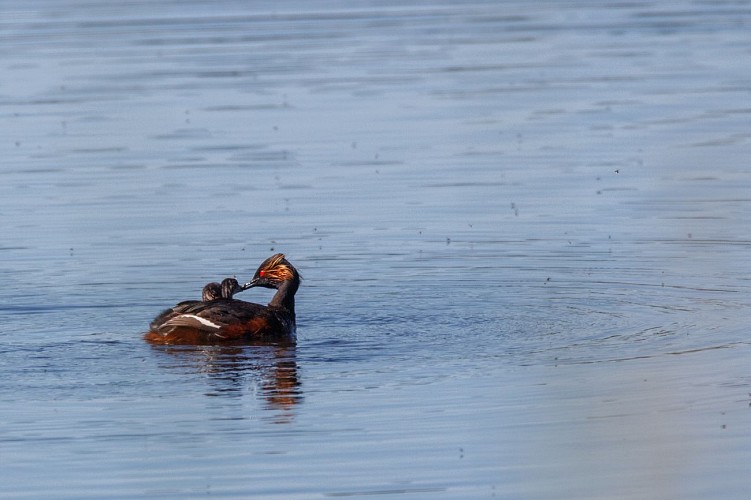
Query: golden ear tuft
{"type": "Point", "coordinates": [283, 272]}
{"type": "Point", "coordinates": [275, 260]}
{"type": "Point", "coordinates": [277, 268]}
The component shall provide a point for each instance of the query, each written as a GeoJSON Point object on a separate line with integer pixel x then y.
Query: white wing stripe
{"type": "Point", "coordinates": [201, 320]}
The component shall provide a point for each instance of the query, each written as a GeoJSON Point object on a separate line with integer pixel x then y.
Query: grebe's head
{"type": "Point", "coordinates": [230, 286]}
{"type": "Point", "coordinates": [211, 291]}
{"type": "Point", "coordinates": [273, 272]}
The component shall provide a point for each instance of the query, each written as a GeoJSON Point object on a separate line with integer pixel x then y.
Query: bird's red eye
{"type": "Point", "coordinates": [261, 273]}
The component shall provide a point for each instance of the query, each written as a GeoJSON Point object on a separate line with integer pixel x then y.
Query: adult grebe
{"type": "Point", "coordinates": [227, 319]}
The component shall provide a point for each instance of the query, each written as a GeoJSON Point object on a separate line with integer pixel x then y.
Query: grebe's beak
{"type": "Point", "coordinates": [250, 284]}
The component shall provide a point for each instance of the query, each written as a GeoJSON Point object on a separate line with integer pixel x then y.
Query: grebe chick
{"type": "Point", "coordinates": [226, 290]}
{"type": "Point", "coordinates": [230, 287]}
{"type": "Point", "coordinates": [211, 291]}
{"type": "Point", "coordinates": [230, 319]}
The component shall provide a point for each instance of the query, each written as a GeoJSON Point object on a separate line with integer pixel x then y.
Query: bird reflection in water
{"type": "Point", "coordinates": [232, 370]}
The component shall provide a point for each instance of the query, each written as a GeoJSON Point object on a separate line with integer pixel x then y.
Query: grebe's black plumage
{"type": "Point", "coordinates": [227, 319]}
{"type": "Point", "coordinates": [211, 292]}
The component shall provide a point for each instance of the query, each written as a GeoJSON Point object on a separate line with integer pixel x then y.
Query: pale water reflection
{"type": "Point", "coordinates": [523, 228]}
{"type": "Point", "coordinates": [268, 370]}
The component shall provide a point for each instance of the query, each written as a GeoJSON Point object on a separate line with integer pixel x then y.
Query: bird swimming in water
{"type": "Point", "coordinates": [227, 319]}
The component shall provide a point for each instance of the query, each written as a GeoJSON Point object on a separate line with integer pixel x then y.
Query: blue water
{"type": "Point", "coordinates": [522, 228]}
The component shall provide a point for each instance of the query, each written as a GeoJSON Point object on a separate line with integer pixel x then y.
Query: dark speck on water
{"type": "Point", "coordinates": [589, 342]}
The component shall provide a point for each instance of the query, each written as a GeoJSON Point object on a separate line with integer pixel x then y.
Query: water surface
{"type": "Point", "coordinates": [522, 227]}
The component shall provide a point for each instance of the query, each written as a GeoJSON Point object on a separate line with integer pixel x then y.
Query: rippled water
{"type": "Point", "coordinates": [523, 228]}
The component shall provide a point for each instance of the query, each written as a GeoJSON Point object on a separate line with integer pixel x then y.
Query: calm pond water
{"type": "Point", "coordinates": [523, 229]}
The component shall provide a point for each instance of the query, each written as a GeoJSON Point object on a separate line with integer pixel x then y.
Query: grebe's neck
{"type": "Point", "coordinates": [285, 295]}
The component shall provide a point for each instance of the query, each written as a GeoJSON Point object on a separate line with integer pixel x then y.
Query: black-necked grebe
{"type": "Point", "coordinates": [226, 319]}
